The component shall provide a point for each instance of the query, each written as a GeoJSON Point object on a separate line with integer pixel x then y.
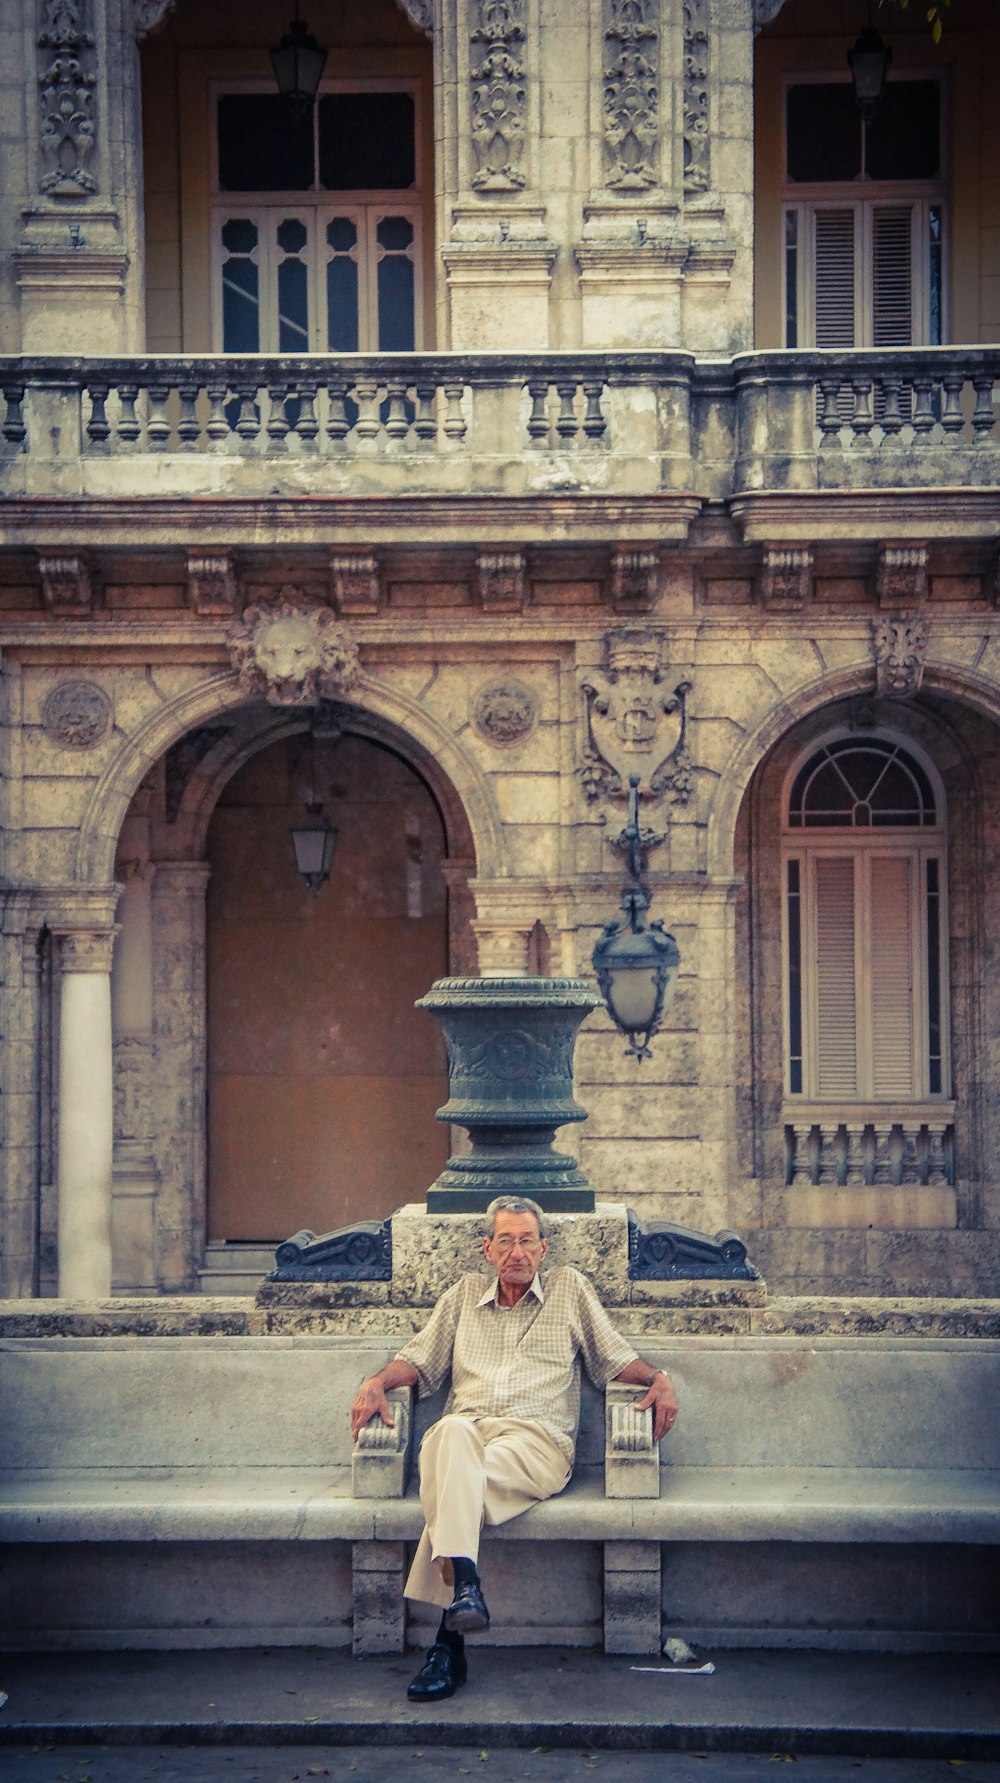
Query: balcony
{"type": "Point", "coordinates": [798, 445]}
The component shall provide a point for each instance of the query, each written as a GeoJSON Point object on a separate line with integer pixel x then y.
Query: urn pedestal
{"type": "Point", "coordinates": [510, 1048]}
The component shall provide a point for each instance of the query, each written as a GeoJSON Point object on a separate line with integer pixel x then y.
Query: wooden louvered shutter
{"type": "Point", "coordinates": [836, 1019]}
{"type": "Point", "coordinates": [892, 275]}
{"type": "Point", "coordinates": [891, 918]}
{"type": "Point", "coordinates": [834, 277]}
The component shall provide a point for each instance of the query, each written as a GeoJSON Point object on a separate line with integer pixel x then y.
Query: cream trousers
{"type": "Point", "coordinates": [475, 1471]}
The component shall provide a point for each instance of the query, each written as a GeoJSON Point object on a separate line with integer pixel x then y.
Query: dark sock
{"type": "Point", "coordinates": [455, 1641]}
{"type": "Point", "coordinates": [464, 1570]}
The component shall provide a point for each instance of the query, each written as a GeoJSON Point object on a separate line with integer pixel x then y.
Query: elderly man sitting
{"type": "Point", "coordinates": [506, 1440]}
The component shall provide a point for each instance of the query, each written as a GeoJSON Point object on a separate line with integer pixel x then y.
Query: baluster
{"type": "Point", "coordinates": [829, 418]}
{"type": "Point", "coordinates": [369, 421]}
{"type": "Point", "coordinates": [98, 427]}
{"type": "Point", "coordinates": [307, 426]}
{"type": "Point", "coordinates": [397, 425]}
{"type": "Point", "coordinates": [983, 419]}
{"type": "Point", "coordinates": [863, 418]}
{"type": "Point", "coordinates": [158, 426]}
{"type": "Point", "coordinates": [854, 1162]}
{"type": "Point", "coordinates": [14, 429]}
{"type": "Point", "coordinates": [952, 418]}
{"type": "Point", "coordinates": [248, 419]}
{"type": "Point", "coordinates": [566, 425]}
{"type": "Point", "coordinates": [454, 419]}
{"type": "Point", "coordinates": [829, 1159]}
{"type": "Point", "coordinates": [804, 1163]}
{"type": "Point", "coordinates": [277, 420]}
{"type": "Point", "coordinates": [882, 1171]}
{"type": "Point", "coordinates": [923, 408]}
{"type": "Point", "coordinates": [538, 420]}
{"type": "Point", "coordinates": [218, 421]}
{"type": "Point", "coordinates": [128, 420]}
{"type": "Point", "coordinates": [337, 424]}
{"type": "Point", "coordinates": [425, 423]}
{"type": "Point", "coordinates": [188, 428]}
{"type": "Point", "coordinates": [892, 414]}
{"type": "Point", "coordinates": [911, 1159]}
{"type": "Point", "coordinates": [594, 424]}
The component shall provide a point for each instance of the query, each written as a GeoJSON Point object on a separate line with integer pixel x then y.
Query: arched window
{"type": "Point", "coordinates": [864, 926]}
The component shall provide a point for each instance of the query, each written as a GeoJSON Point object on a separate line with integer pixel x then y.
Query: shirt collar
{"type": "Point", "coordinates": [534, 1287]}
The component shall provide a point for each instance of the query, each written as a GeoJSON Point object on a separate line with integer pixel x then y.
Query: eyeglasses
{"type": "Point", "coordinates": [505, 1244]}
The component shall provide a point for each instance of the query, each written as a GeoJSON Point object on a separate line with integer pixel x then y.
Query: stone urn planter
{"type": "Point", "coordinates": [510, 1073]}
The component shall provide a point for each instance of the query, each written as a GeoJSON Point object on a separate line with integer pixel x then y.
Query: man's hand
{"type": "Point", "coordinates": [369, 1399]}
{"type": "Point", "coordinates": [660, 1395]}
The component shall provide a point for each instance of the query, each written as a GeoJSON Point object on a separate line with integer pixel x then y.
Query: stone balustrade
{"type": "Point", "coordinates": [871, 1146]}
{"type": "Point", "coordinates": [633, 424]}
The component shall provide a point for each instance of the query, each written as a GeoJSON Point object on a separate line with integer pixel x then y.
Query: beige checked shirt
{"type": "Point", "coordinates": [520, 1361]}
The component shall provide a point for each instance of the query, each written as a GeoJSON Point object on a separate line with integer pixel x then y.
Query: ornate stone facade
{"type": "Point", "coordinates": [498, 99]}
{"type": "Point", "coordinates": [66, 82]}
{"type": "Point", "coordinates": [631, 726]}
{"type": "Point", "coordinates": [631, 93]}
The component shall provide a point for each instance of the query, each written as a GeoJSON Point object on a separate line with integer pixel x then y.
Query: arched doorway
{"type": "Point", "coordinates": [322, 1078]}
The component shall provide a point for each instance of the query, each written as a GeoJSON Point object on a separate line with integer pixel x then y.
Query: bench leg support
{"type": "Point", "coordinates": [632, 1597]}
{"type": "Point", "coordinates": [379, 1609]}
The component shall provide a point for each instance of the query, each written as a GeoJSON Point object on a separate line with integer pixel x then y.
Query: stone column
{"type": "Point", "coordinates": [86, 1114]}
{"type": "Point", "coordinates": [19, 1086]}
{"type": "Point", "coordinates": [179, 1101]}
{"type": "Point", "coordinates": [135, 1175]}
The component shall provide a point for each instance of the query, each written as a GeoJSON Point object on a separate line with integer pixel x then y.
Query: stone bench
{"type": "Point", "coordinates": [170, 1491]}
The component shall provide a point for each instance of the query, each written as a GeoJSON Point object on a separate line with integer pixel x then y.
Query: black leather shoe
{"type": "Point", "coordinates": [467, 1612]}
{"type": "Point", "coordinates": [441, 1675]}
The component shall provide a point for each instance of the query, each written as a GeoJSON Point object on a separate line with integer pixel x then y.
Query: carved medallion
{"type": "Point", "coordinates": [292, 651]}
{"type": "Point", "coordinates": [77, 715]}
{"type": "Point", "coordinates": [504, 712]}
{"type": "Point", "coordinates": [631, 725]}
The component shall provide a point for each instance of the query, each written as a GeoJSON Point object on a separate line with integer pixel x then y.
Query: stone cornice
{"type": "Point", "coordinates": [812, 515]}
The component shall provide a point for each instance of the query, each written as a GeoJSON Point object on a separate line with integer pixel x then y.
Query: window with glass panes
{"type": "Point", "coordinates": [865, 936]}
{"type": "Point", "coordinates": [864, 216]}
{"type": "Point", "coordinates": [316, 223]}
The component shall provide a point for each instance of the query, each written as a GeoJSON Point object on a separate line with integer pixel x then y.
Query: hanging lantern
{"type": "Point", "coordinates": [869, 64]}
{"type": "Point", "coordinates": [313, 843]}
{"type": "Point", "coordinates": [298, 62]}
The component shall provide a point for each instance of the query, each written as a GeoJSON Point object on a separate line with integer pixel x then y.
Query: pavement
{"type": "Point", "coordinates": [944, 1708]}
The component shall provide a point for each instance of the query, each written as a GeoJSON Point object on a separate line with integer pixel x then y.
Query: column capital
{"type": "Point", "coordinates": [86, 950]}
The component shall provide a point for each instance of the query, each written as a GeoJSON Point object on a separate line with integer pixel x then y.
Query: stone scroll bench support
{"type": "Point", "coordinates": [380, 1468]}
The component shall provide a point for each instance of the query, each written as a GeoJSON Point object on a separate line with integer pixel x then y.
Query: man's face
{"type": "Point", "coordinates": [515, 1249]}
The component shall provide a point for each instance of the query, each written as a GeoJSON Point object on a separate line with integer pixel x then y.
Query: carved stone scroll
{"type": "Point", "coordinates": [66, 80]}
{"type": "Point", "coordinates": [356, 583]}
{"type": "Point", "coordinates": [499, 96]}
{"type": "Point", "coordinates": [899, 645]}
{"type": "Point", "coordinates": [901, 578]}
{"type": "Point", "coordinates": [786, 578]}
{"type": "Point", "coordinates": [631, 93]}
{"type": "Point", "coordinates": [292, 651]}
{"type": "Point", "coordinates": [631, 726]}
{"type": "Point", "coordinates": [420, 14]}
{"type": "Point", "coordinates": [361, 1253]}
{"type": "Point", "coordinates": [697, 158]}
{"type": "Point", "coordinates": [501, 580]}
{"type": "Point", "coordinates": [66, 583]}
{"type": "Point", "coordinates": [149, 15]}
{"type": "Point", "coordinates": [660, 1251]}
{"type": "Point", "coordinates": [211, 585]}
{"type": "Point", "coordinates": [634, 577]}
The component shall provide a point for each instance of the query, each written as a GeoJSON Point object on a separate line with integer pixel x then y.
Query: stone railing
{"type": "Point", "coordinates": [870, 1145]}
{"type": "Point", "coordinates": [632, 424]}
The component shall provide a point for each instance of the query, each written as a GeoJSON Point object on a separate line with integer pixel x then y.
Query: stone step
{"type": "Point", "coordinates": [235, 1268]}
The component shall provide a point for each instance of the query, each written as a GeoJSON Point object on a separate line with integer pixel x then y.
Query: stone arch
{"type": "Point", "coordinates": [979, 693]}
{"type": "Point", "coordinates": [382, 713]}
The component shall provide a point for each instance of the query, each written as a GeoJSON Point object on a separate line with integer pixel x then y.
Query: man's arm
{"type": "Point", "coordinates": [371, 1395]}
{"type": "Point", "coordinates": [660, 1393]}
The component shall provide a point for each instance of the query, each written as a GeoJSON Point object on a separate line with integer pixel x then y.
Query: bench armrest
{"type": "Point", "coordinates": [380, 1463]}
{"type": "Point", "coordinates": [631, 1457]}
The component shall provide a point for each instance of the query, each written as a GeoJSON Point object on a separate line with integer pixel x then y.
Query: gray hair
{"type": "Point", "coordinates": [513, 1204]}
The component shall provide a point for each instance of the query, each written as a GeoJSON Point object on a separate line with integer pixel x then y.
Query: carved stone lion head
{"type": "Point", "coordinates": [292, 650]}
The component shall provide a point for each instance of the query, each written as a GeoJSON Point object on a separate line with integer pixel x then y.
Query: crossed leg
{"type": "Point", "coordinates": [475, 1471]}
